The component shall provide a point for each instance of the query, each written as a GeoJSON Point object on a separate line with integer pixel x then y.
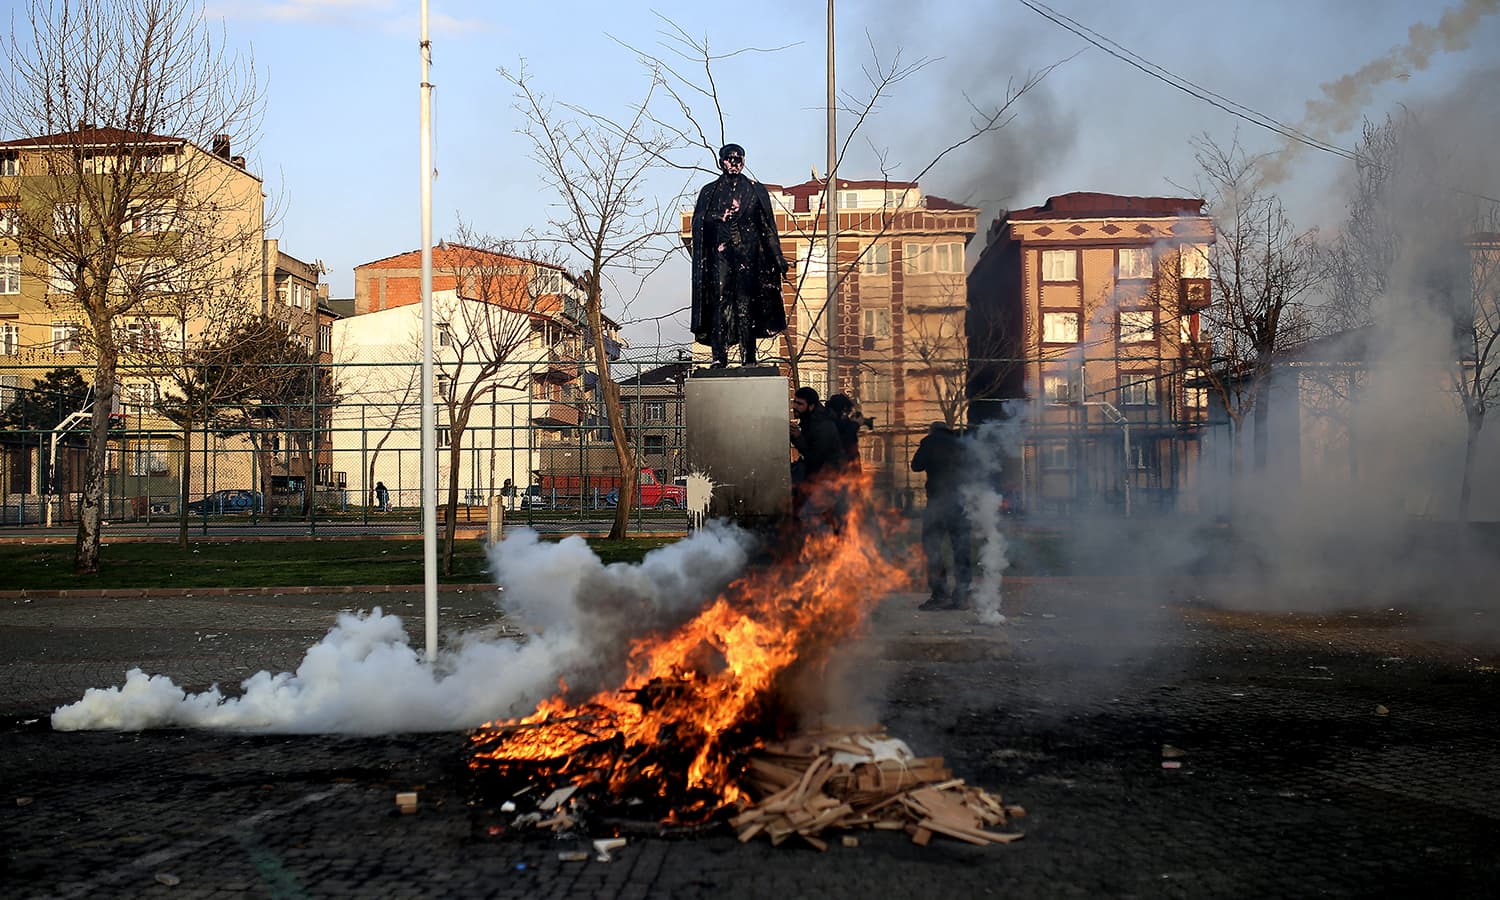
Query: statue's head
{"type": "Point", "coordinates": [732, 159]}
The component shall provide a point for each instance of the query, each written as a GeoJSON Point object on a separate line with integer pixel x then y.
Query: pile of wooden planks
{"type": "Point", "coordinates": [863, 779]}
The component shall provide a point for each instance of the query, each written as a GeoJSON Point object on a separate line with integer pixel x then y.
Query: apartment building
{"type": "Point", "coordinates": [652, 403]}
{"type": "Point", "coordinates": [900, 340]}
{"type": "Point", "coordinates": [187, 222]}
{"type": "Point", "coordinates": [1086, 309]}
{"type": "Point", "coordinates": [527, 422]}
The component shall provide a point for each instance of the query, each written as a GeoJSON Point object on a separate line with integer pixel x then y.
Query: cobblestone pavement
{"type": "Point", "coordinates": [1335, 755]}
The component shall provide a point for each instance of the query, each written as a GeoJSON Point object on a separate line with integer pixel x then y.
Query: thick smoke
{"type": "Point", "coordinates": [364, 677]}
{"type": "Point", "coordinates": [1358, 504]}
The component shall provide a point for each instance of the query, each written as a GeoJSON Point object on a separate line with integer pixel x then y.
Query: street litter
{"type": "Point", "coordinates": [406, 801]}
{"type": "Point", "coordinates": [603, 847]}
{"type": "Point", "coordinates": [864, 779]}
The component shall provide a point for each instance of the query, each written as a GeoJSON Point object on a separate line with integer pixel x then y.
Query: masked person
{"type": "Point", "coordinates": [737, 263]}
{"type": "Point", "coordinates": [941, 454]}
{"type": "Point", "coordinates": [816, 439]}
{"type": "Point", "coordinates": [848, 421]}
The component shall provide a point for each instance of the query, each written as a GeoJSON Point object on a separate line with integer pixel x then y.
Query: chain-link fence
{"type": "Point", "coordinates": [347, 455]}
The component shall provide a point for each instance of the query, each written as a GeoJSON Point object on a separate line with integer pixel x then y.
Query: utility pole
{"type": "Point", "coordinates": [429, 419]}
{"type": "Point", "coordinates": [831, 204]}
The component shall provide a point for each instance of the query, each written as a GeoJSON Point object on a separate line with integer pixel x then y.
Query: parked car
{"type": "Point", "coordinates": [230, 501]}
{"type": "Point", "coordinates": [533, 498]}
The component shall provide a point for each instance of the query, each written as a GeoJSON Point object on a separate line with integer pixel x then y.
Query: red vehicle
{"type": "Point", "coordinates": [603, 489]}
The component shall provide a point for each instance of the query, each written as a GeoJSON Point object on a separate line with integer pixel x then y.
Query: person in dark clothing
{"type": "Point", "coordinates": [382, 497]}
{"type": "Point", "coordinates": [815, 436]}
{"type": "Point", "coordinates": [847, 421]}
{"type": "Point", "coordinates": [738, 265]}
{"type": "Point", "coordinates": [941, 455]}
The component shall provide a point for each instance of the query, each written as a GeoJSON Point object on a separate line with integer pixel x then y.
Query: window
{"type": "Point", "coordinates": [10, 164]}
{"type": "Point", "coordinates": [59, 279]}
{"type": "Point", "coordinates": [876, 260]}
{"type": "Point", "coordinates": [1138, 388]}
{"type": "Point", "coordinates": [150, 459]}
{"type": "Point", "coordinates": [10, 340]}
{"type": "Point", "coordinates": [654, 411]}
{"type": "Point", "coordinates": [815, 262]}
{"type": "Point", "coordinates": [142, 335]}
{"type": "Point", "coordinates": [10, 392]}
{"type": "Point", "coordinates": [1137, 326]}
{"type": "Point", "coordinates": [546, 281]}
{"type": "Point", "coordinates": [1135, 262]}
{"type": "Point", "coordinates": [924, 258]}
{"type": "Point", "coordinates": [151, 216]}
{"type": "Point", "coordinates": [1060, 327]}
{"type": "Point", "coordinates": [655, 444]}
{"type": "Point", "coordinates": [896, 199]}
{"type": "Point", "coordinates": [1056, 455]}
{"type": "Point", "coordinates": [65, 218]}
{"type": "Point", "coordinates": [10, 221]}
{"type": "Point", "coordinates": [443, 334]}
{"type": "Point", "coordinates": [875, 387]}
{"type": "Point", "coordinates": [140, 398]}
{"type": "Point", "coordinates": [1194, 261]}
{"type": "Point", "coordinates": [1059, 388]}
{"type": "Point", "coordinates": [10, 274]}
{"type": "Point", "coordinates": [149, 163]}
{"type": "Point", "coordinates": [325, 338]}
{"type": "Point", "coordinates": [440, 391]}
{"type": "Point", "coordinates": [877, 321]}
{"type": "Point", "coordinates": [444, 437]}
{"type": "Point", "coordinates": [65, 337]}
{"type": "Point", "coordinates": [848, 199]}
{"type": "Point", "coordinates": [1059, 265]}
{"type": "Point", "coordinates": [1142, 456]}
{"type": "Point", "coordinates": [1195, 396]}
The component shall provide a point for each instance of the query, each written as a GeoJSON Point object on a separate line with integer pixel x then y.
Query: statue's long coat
{"type": "Point", "coordinates": [733, 216]}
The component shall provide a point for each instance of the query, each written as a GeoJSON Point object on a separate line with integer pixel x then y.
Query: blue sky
{"type": "Point", "coordinates": [339, 142]}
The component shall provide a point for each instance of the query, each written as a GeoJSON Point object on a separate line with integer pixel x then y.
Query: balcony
{"type": "Point", "coordinates": [558, 368]}
{"type": "Point", "coordinates": [1195, 295]}
{"type": "Point", "coordinates": [555, 415]}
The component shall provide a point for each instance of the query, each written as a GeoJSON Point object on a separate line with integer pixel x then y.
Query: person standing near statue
{"type": "Point", "coordinates": [941, 455]}
{"type": "Point", "coordinates": [737, 263]}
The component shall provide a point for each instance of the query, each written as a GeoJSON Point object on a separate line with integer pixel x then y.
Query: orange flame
{"type": "Point", "coordinates": [689, 690]}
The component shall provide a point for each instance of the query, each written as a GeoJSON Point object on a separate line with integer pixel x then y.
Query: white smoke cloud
{"type": "Point", "coordinates": [990, 444]}
{"type": "Point", "coordinates": [365, 678]}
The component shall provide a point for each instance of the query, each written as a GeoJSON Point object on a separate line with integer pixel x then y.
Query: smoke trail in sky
{"type": "Point", "coordinates": [1345, 99]}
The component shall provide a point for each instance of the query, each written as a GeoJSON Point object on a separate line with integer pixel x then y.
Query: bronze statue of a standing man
{"type": "Point", "coordinates": [737, 263]}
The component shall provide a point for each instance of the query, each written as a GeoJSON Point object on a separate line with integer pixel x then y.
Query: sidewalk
{"type": "Point", "coordinates": [1292, 784]}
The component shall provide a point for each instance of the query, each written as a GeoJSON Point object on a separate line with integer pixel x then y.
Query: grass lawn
{"type": "Point", "coordinates": [283, 563]}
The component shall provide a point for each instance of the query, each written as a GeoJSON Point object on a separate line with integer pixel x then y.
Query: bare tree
{"type": "Point", "coordinates": [498, 312]}
{"type": "Point", "coordinates": [115, 104]}
{"type": "Point", "coordinates": [1477, 374]}
{"type": "Point", "coordinates": [217, 382]}
{"type": "Point", "coordinates": [1262, 270]}
{"type": "Point", "coordinates": [598, 168]}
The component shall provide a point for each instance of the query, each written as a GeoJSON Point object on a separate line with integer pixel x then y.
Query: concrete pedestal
{"type": "Point", "coordinates": [738, 455]}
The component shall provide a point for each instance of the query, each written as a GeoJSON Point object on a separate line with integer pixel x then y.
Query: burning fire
{"type": "Point", "coordinates": [697, 698]}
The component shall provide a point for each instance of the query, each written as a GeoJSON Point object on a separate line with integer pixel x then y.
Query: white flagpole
{"type": "Point", "coordinates": [429, 423]}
